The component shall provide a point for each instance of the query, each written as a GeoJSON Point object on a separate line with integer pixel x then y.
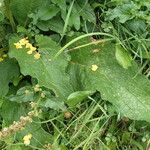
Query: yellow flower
{"type": "Point", "coordinates": [32, 48]}
{"type": "Point", "coordinates": [94, 67]}
{"type": "Point", "coordinates": [28, 45]}
{"type": "Point", "coordinates": [29, 52]}
{"type": "Point", "coordinates": [27, 139]}
{"type": "Point", "coordinates": [1, 59]}
{"type": "Point", "coordinates": [23, 41]}
{"type": "Point", "coordinates": [37, 55]}
{"type": "Point", "coordinates": [18, 45]}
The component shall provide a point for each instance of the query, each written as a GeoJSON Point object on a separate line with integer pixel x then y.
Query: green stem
{"type": "Point", "coordinates": [67, 20]}
{"type": "Point", "coordinates": [79, 38]}
{"type": "Point", "coordinates": [9, 15]}
{"type": "Point", "coordinates": [91, 43]}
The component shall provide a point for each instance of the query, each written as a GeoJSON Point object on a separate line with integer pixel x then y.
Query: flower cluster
{"type": "Point", "coordinates": [27, 139]}
{"type": "Point", "coordinates": [31, 49]}
{"type": "Point", "coordinates": [16, 126]}
{"type": "Point", "coordinates": [36, 110]}
{"type": "Point", "coordinates": [38, 89]}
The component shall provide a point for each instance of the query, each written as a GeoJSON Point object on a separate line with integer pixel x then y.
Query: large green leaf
{"type": "Point", "coordinates": [46, 13]}
{"type": "Point", "coordinates": [8, 70]}
{"type": "Point", "coordinates": [50, 73]}
{"type": "Point", "coordinates": [55, 24]}
{"type": "Point", "coordinates": [22, 8]}
{"type": "Point", "coordinates": [130, 95]}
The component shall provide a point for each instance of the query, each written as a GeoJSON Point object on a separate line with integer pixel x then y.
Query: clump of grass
{"type": "Point", "coordinates": [95, 125]}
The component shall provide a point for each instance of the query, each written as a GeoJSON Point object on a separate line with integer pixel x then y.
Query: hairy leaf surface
{"type": "Point", "coordinates": [50, 73]}
{"type": "Point", "coordinates": [130, 95]}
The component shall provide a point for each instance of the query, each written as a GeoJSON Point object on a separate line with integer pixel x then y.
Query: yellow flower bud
{"type": "Point", "coordinates": [94, 67]}
{"type": "Point", "coordinates": [37, 55]}
{"type": "Point", "coordinates": [18, 45]}
{"type": "Point", "coordinates": [32, 48]}
{"type": "Point", "coordinates": [23, 41]}
{"type": "Point", "coordinates": [28, 45]}
{"type": "Point", "coordinates": [27, 139]}
{"type": "Point", "coordinates": [29, 52]}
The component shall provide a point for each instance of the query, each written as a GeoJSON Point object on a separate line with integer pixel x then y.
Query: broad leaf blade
{"type": "Point", "coordinates": [50, 73]}
{"type": "Point", "coordinates": [46, 13]}
{"type": "Point", "coordinates": [55, 24]}
{"type": "Point", "coordinates": [22, 8]}
{"type": "Point", "coordinates": [130, 96]}
{"type": "Point", "coordinates": [8, 70]}
{"type": "Point", "coordinates": [123, 58]}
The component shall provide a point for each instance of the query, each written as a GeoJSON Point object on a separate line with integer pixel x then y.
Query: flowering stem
{"type": "Point", "coordinates": [79, 38]}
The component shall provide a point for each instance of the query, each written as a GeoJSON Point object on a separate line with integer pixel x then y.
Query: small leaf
{"type": "Point", "coordinates": [77, 97]}
{"type": "Point", "coordinates": [9, 109]}
{"type": "Point", "coordinates": [22, 8]}
{"type": "Point", "coordinates": [86, 11]}
{"type": "Point", "coordinates": [62, 6]}
{"type": "Point", "coordinates": [53, 103]}
{"type": "Point", "coordinates": [74, 19]}
{"type": "Point", "coordinates": [123, 13]}
{"type": "Point", "coordinates": [46, 13]}
{"type": "Point", "coordinates": [24, 94]}
{"type": "Point", "coordinates": [8, 71]}
{"type": "Point", "coordinates": [55, 24]}
{"type": "Point", "coordinates": [123, 58]}
{"type": "Point", "coordinates": [137, 25]}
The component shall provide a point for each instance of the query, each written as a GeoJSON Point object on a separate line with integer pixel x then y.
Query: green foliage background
{"type": "Point", "coordinates": [82, 108]}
